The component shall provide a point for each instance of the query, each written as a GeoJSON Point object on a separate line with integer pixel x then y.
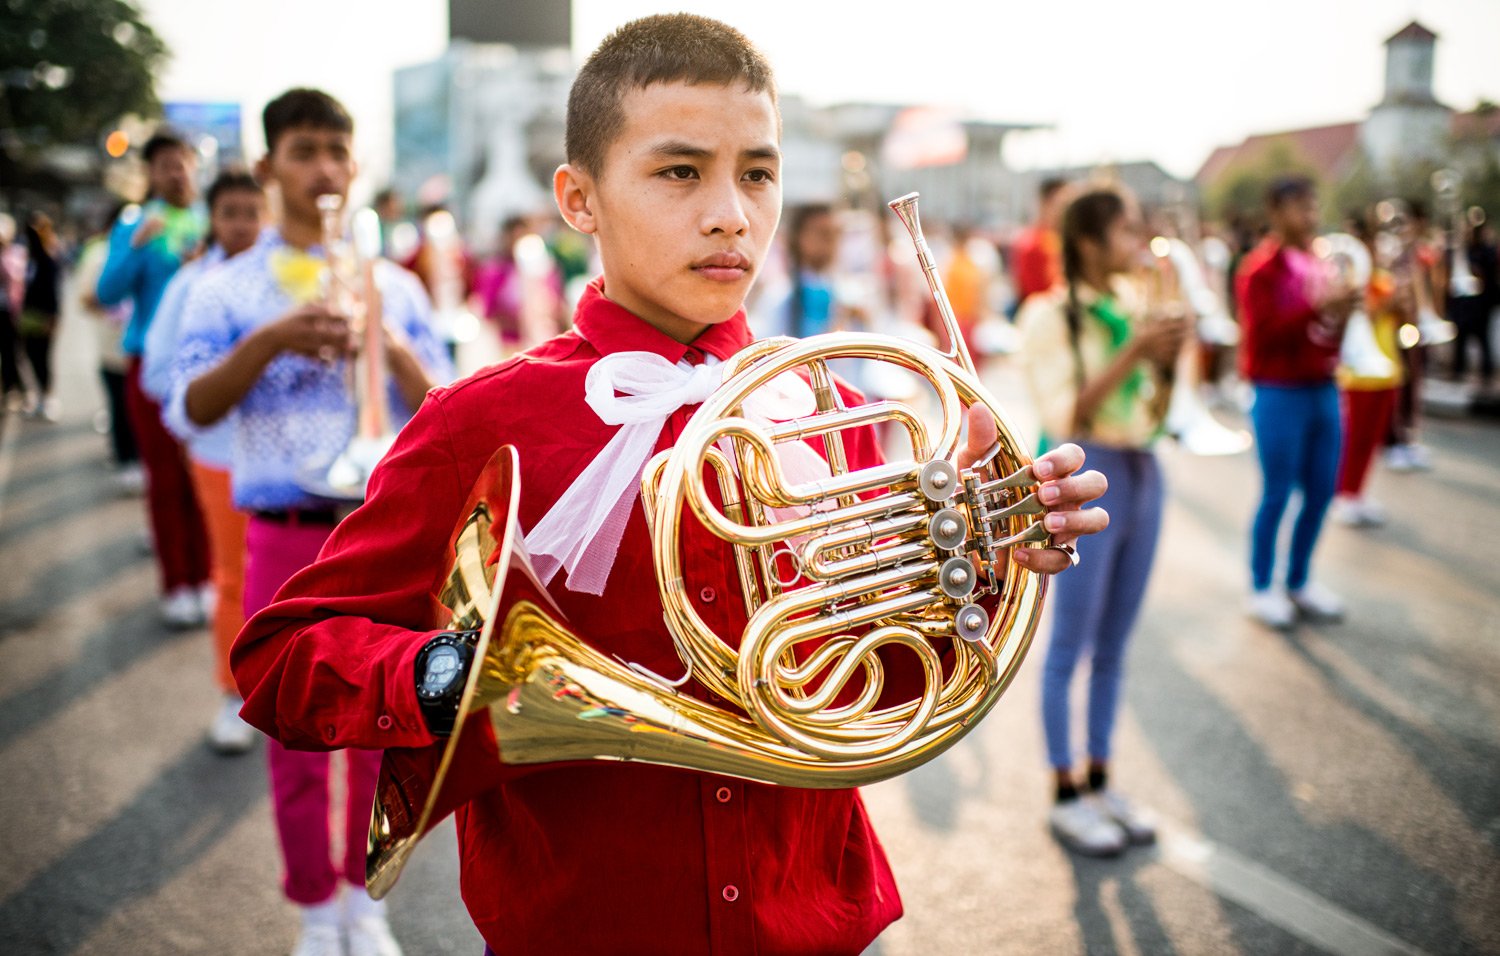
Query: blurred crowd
{"type": "Point", "coordinates": [1130, 325]}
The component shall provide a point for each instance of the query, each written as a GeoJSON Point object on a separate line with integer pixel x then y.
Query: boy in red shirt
{"type": "Point", "coordinates": [1292, 320]}
{"type": "Point", "coordinates": [674, 168]}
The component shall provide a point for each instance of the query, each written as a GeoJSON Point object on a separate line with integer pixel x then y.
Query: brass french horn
{"type": "Point", "coordinates": [841, 573]}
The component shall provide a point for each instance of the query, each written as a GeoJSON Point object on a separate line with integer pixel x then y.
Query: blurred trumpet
{"type": "Point", "coordinates": [351, 291]}
{"type": "Point", "coordinates": [1353, 265]}
{"type": "Point", "coordinates": [1177, 279]}
{"type": "Point", "coordinates": [1399, 256]}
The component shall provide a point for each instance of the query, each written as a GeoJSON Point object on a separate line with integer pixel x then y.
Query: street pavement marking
{"type": "Point", "coordinates": [1275, 898]}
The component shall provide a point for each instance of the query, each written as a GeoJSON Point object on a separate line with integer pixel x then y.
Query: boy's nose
{"type": "Point", "coordinates": [726, 212]}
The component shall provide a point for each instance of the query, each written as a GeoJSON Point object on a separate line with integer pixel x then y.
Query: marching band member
{"type": "Point", "coordinates": [236, 214]}
{"type": "Point", "coordinates": [146, 247]}
{"type": "Point", "coordinates": [674, 169]}
{"type": "Point", "coordinates": [1291, 325]}
{"type": "Point", "coordinates": [260, 346]}
{"type": "Point", "coordinates": [1369, 399]}
{"type": "Point", "coordinates": [1093, 358]}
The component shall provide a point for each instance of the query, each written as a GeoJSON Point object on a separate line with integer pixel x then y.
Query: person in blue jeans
{"type": "Point", "coordinates": [1292, 316]}
{"type": "Point", "coordinates": [1097, 365]}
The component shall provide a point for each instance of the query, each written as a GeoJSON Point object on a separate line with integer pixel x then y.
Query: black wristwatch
{"type": "Point", "coordinates": [442, 671]}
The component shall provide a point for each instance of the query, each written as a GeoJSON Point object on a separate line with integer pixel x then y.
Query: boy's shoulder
{"type": "Point", "coordinates": [539, 377]}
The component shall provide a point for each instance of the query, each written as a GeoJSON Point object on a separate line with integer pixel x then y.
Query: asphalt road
{"type": "Point", "coordinates": [1335, 789]}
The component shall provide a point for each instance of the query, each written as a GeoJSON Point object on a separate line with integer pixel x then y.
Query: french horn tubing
{"type": "Point", "coordinates": [846, 576]}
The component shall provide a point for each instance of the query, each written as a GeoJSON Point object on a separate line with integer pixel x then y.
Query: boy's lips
{"type": "Point", "coordinates": [723, 267]}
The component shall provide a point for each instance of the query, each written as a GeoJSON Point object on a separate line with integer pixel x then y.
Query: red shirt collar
{"type": "Point", "coordinates": [609, 327]}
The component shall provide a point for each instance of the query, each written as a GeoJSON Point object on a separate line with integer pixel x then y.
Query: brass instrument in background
{"type": "Point", "coordinates": [351, 291]}
{"type": "Point", "coordinates": [1176, 278]}
{"type": "Point", "coordinates": [1351, 264]}
{"type": "Point", "coordinates": [1394, 253]}
{"type": "Point", "coordinates": [840, 572]}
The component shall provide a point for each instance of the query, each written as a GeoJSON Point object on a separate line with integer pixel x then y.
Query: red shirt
{"type": "Point", "coordinates": [1037, 255]}
{"type": "Point", "coordinates": [589, 856]}
{"type": "Point", "coordinates": [1276, 289]}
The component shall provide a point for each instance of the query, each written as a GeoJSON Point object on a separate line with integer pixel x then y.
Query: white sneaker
{"type": "Point", "coordinates": [229, 734]}
{"type": "Point", "coordinates": [181, 609]}
{"type": "Point", "coordinates": [318, 939]}
{"type": "Point", "coordinates": [365, 925]}
{"type": "Point", "coordinates": [130, 479]}
{"type": "Point", "coordinates": [1272, 608]}
{"type": "Point", "coordinates": [1420, 455]}
{"type": "Point", "coordinates": [208, 599]}
{"type": "Point", "coordinates": [1083, 827]}
{"type": "Point", "coordinates": [1317, 602]}
{"type": "Point", "coordinates": [1358, 513]}
{"type": "Point", "coordinates": [1139, 824]}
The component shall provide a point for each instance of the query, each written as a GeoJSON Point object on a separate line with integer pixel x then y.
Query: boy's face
{"type": "Point", "coordinates": [307, 163]}
{"type": "Point", "coordinates": [170, 175]}
{"type": "Point", "coordinates": [686, 205]}
{"type": "Point", "coordinates": [236, 218]}
{"type": "Point", "coordinates": [1296, 218]}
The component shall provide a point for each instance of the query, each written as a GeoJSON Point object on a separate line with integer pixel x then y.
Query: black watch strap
{"type": "Point", "coordinates": [442, 671]}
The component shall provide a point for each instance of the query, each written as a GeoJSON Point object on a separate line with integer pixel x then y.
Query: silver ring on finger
{"type": "Point", "coordinates": [1067, 549]}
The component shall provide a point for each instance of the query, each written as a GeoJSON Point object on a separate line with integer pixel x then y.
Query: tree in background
{"type": "Point", "coordinates": [69, 70]}
{"type": "Point", "coordinates": [1239, 195]}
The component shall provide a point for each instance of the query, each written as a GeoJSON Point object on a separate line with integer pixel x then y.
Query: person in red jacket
{"type": "Point", "coordinates": [1292, 321]}
{"type": "Point", "coordinates": [674, 168]}
{"type": "Point", "coordinates": [1037, 253]}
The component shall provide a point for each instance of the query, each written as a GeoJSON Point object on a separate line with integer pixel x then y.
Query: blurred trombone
{"type": "Point", "coordinates": [351, 291]}
{"type": "Point", "coordinates": [1176, 281]}
{"type": "Point", "coordinates": [1351, 264]}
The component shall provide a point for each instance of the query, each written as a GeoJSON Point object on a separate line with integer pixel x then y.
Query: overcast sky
{"type": "Point", "coordinates": [1167, 80]}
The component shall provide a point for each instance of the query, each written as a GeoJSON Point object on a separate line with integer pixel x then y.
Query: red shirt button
{"type": "Point", "coordinates": [708, 595]}
{"type": "Point", "coordinates": [384, 723]}
{"type": "Point", "coordinates": [724, 794]}
{"type": "Point", "coordinates": [731, 893]}
{"type": "Point", "coordinates": [330, 732]}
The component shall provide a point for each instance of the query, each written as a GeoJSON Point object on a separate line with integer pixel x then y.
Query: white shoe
{"type": "Point", "coordinates": [1420, 455]}
{"type": "Point", "coordinates": [365, 926]}
{"type": "Point", "coordinates": [1358, 513]}
{"type": "Point", "coordinates": [130, 479]}
{"type": "Point", "coordinates": [1083, 827]}
{"type": "Point", "coordinates": [319, 939]}
{"type": "Point", "coordinates": [181, 609]}
{"type": "Point", "coordinates": [1317, 602]}
{"type": "Point", "coordinates": [208, 599]}
{"type": "Point", "coordinates": [229, 734]}
{"type": "Point", "coordinates": [1139, 824]}
{"type": "Point", "coordinates": [1272, 608]}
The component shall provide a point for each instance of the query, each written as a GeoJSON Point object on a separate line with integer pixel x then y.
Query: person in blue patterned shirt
{"type": "Point", "coordinates": [260, 345]}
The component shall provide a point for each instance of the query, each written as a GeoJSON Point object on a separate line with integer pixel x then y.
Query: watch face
{"type": "Point", "coordinates": [443, 669]}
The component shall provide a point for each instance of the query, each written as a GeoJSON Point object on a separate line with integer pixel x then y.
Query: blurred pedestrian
{"type": "Point", "coordinates": [521, 295]}
{"type": "Point", "coordinates": [1369, 397]}
{"type": "Point", "coordinates": [109, 336]}
{"type": "Point", "coordinates": [1474, 313]}
{"type": "Point", "coordinates": [39, 311]}
{"type": "Point", "coordinates": [237, 212]}
{"type": "Point", "coordinates": [12, 386]}
{"type": "Point", "coordinates": [1036, 254]}
{"type": "Point", "coordinates": [262, 345]}
{"type": "Point", "coordinates": [1404, 449]}
{"type": "Point", "coordinates": [1095, 360]}
{"type": "Point", "coordinates": [1292, 319]}
{"type": "Point", "coordinates": [146, 247]}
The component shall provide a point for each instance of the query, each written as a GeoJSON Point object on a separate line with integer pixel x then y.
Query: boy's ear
{"type": "Point", "coordinates": [263, 170]}
{"type": "Point", "coordinates": [574, 191]}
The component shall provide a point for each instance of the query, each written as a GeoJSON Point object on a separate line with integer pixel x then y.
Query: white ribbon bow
{"type": "Point", "coordinates": [582, 531]}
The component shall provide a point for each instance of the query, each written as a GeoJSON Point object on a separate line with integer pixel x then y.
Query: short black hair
{"type": "Point", "coordinates": [666, 48]}
{"type": "Point", "coordinates": [1285, 189]}
{"type": "Point", "coordinates": [1049, 187]}
{"type": "Point", "coordinates": [231, 180]}
{"type": "Point", "coordinates": [303, 108]}
{"type": "Point", "coordinates": [162, 140]}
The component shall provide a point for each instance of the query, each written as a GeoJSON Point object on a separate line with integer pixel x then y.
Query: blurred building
{"type": "Point", "coordinates": [1407, 129]}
